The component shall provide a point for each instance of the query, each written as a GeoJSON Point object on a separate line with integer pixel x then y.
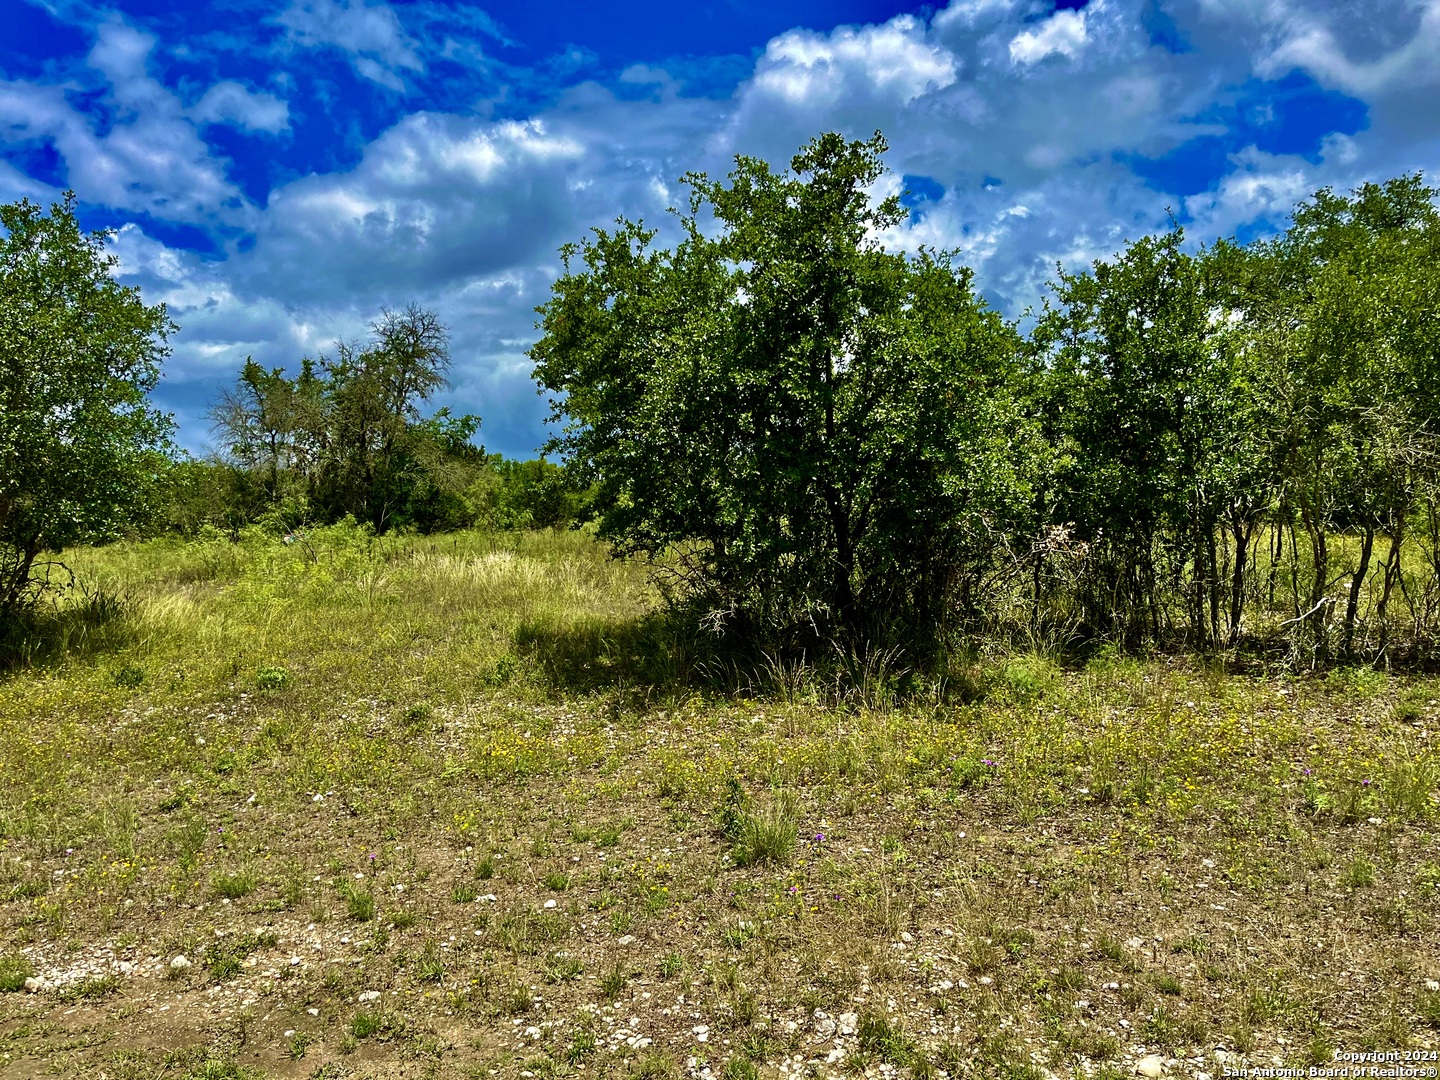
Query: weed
{"type": "Point", "coordinates": [429, 967]}
{"type": "Point", "coordinates": [582, 1045]}
{"type": "Point", "coordinates": [769, 834]}
{"type": "Point", "coordinates": [612, 983]}
{"type": "Point", "coordinates": [235, 884]}
{"type": "Point", "coordinates": [877, 1034]}
{"type": "Point", "coordinates": [14, 970]}
{"type": "Point", "coordinates": [366, 1024]}
{"type": "Point", "coordinates": [464, 893]}
{"type": "Point", "coordinates": [271, 678]}
{"type": "Point", "coordinates": [359, 903]}
{"type": "Point", "coordinates": [91, 988]}
{"type": "Point", "coordinates": [1359, 874]}
{"type": "Point", "coordinates": [561, 968]}
{"type": "Point", "coordinates": [298, 1044]}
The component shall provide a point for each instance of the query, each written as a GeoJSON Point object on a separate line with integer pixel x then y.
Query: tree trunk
{"type": "Point", "coordinates": [1352, 603]}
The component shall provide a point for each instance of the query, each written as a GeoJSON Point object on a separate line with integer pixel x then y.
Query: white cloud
{"type": "Point", "coordinates": [894, 62]}
{"type": "Point", "coordinates": [151, 159]}
{"type": "Point", "coordinates": [434, 199]}
{"type": "Point", "coordinates": [1061, 34]}
{"type": "Point", "coordinates": [1319, 49]}
{"type": "Point", "coordinates": [229, 102]}
{"type": "Point", "coordinates": [369, 33]}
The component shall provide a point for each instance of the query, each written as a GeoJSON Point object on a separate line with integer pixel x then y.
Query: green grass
{"type": "Point", "coordinates": [14, 970]}
{"type": "Point", "coordinates": [470, 727]}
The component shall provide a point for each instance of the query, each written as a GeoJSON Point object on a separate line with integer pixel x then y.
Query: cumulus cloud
{"type": "Point", "coordinates": [229, 102]}
{"type": "Point", "coordinates": [369, 34]}
{"type": "Point", "coordinates": [149, 158]}
{"type": "Point", "coordinates": [1063, 34]}
{"type": "Point", "coordinates": [435, 199]}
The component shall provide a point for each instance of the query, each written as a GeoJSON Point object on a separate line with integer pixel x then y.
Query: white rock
{"type": "Point", "coordinates": [35, 984]}
{"type": "Point", "coordinates": [368, 996]}
{"type": "Point", "coordinates": [289, 1033]}
{"type": "Point", "coordinates": [847, 1023]}
{"type": "Point", "coordinates": [1432, 986]}
{"type": "Point", "coordinates": [549, 903]}
{"type": "Point", "coordinates": [628, 939]}
{"type": "Point", "coordinates": [1152, 1066]}
{"type": "Point", "coordinates": [313, 1012]}
{"type": "Point", "coordinates": [180, 963]}
{"type": "Point", "coordinates": [906, 936]}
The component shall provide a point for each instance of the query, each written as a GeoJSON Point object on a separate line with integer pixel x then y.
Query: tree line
{"type": "Point", "coordinates": [815, 439]}
{"type": "Point", "coordinates": [348, 436]}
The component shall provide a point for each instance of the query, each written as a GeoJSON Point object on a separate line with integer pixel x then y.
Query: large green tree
{"type": "Point", "coordinates": [80, 444]}
{"type": "Point", "coordinates": [817, 432]}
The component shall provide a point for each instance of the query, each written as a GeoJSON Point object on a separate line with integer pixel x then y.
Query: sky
{"type": "Point", "coordinates": [279, 172]}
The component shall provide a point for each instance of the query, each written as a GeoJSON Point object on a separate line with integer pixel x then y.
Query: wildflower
{"type": "Point", "coordinates": [819, 838]}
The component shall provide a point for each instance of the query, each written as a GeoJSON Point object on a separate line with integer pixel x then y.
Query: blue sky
{"type": "Point", "coordinates": [279, 172]}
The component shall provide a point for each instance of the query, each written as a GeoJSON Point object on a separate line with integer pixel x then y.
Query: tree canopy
{"type": "Point", "coordinates": [824, 430]}
{"type": "Point", "coordinates": [80, 445]}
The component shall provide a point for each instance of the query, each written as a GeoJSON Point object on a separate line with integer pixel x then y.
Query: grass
{"type": "Point", "coordinates": [365, 767]}
{"type": "Point", "coordinates": [14, 970]}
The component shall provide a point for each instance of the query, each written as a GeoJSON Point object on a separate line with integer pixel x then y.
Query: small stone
{"type": "Point", "coordinates": [906, 936]}
{"type": "Point", "coordinates": [847, 1023]}
{"type": "Point", "coordinates": [367, 996]}
{"type": "Point", "coordinates": [294, 961]}
{"type": "Point", "coordinates": [549, 904]}
{"type": "Point", "coordinates": [628, 939]}
{"type": "Point", "coordinates": [313, 1012]}
{"type": "Point", "coordinates": [1432, 986]}
{"type": "Point", "coordinates": [35, 984]}
{"type": "Point", "coordinates": [1152, 1066]}
{"type": "Point", "coordinates": [289, 1033]}
{"type": "Point", "coordinates": [180, 963]}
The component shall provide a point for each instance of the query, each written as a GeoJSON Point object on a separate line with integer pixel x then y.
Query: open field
{"type": "Point", "coordinates": [453, 807]}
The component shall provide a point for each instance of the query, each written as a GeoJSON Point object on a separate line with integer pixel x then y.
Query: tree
{"type": "Point", "coordinates": [80, 445]}
{"type": "Point", "coordinates": [822, 431]}
{"type": "Point", "coordinates": [346, 435]}
{"type": "Point", "coordinates": [1345, 298]}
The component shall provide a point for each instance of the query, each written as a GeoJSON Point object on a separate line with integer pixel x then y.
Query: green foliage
{"type": "Point", "coordinates": [825, 433]}
{"type": "Point", "coordinates": [81, 449]}
{"type": "Point", "coordinates": [345, 436]}
{"type": "Point", "coordinates": [14, 970]}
